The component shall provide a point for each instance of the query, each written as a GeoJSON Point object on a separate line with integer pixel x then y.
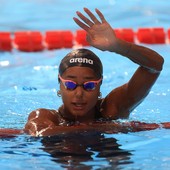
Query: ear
{"type": "Point", "coordinates": [100, 95]}
{"type": "Point", "coordinates": [59, 93]}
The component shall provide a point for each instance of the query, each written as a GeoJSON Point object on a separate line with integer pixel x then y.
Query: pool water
{"type": "Point", "coordinates": [29, 81]}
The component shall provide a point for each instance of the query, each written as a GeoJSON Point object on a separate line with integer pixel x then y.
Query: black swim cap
{"type": "Point", "coordinates": [82, 58]}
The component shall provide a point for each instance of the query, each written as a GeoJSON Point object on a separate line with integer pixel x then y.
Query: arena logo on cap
{"type": "Point", "coordinates": [81, 60]}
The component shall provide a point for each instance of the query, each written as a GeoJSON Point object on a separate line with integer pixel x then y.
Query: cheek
{"type": "Point", "coordinates": [65, 95]}
{"type": "Point", "coordinates": [93, 97]}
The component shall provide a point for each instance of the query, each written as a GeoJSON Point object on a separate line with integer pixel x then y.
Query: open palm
{"type": "Point", "coordinates": [99, 34]}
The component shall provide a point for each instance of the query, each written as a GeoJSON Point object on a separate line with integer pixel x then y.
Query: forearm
{"type": "Point", "coordinates": [165, 125]}
{"type": "Point", "coordinates": [141, 126]}
{"type": "Point", "coordinates": [107, 127]}
{"type": "Point", "coordinates": [141, 55]}
{"type": "Point", "coordinates": [10, 132]}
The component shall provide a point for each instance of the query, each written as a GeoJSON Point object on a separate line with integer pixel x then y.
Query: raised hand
{"type": "Point", "coordinates": [99, 33]}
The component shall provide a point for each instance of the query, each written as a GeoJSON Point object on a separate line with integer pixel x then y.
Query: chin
{"type": "Point", "coordinates": [79, 114]}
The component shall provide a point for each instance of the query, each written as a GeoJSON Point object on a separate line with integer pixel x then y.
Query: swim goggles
{"type": "Point", "coordinates": [71, 85]}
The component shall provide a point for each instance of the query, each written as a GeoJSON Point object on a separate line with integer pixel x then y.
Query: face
{"type": "Point", "coordinates": [79, 103]}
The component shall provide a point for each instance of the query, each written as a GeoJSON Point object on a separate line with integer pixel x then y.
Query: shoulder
{"type": "Point", "coordinates": [41, 119]}
{"type": "Point", "coordinates": [43, 113]}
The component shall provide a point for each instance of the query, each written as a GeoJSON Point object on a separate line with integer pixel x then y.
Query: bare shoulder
{"type": "Point", "coordinates": [41, 119]}
{"type": "Point", "coordinates": [42, 113]}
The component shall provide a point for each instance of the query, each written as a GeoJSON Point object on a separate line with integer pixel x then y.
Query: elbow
{"type": "Point", "coordinates": [161, 63]}
{"type": "Point", "coordinates": [158, 65]}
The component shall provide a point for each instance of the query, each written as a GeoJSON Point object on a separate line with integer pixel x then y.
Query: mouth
{"type": "Point", "coordinates": [78, 105]}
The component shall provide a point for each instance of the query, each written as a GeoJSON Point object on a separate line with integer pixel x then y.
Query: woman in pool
{"type": "Point", "coordinates": [80, 77]}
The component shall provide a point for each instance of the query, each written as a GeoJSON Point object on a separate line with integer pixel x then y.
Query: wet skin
{"type": "Point", "coordinates": [79, 103]}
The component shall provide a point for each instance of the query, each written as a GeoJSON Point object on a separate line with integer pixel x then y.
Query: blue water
{"type": "Point", "coordinates": [29, 81]}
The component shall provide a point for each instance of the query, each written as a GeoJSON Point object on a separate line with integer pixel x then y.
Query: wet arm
{"type": "Point", "coordinates": [141, 55]}
{"type": "Point", "coordinates": [136, 126]}
{"type": "Point", "coordinates": [122, 100]}
{"type": "Point", "coordinates": [126, 127]}
{"type": "Point", "coordinates": [104, 127]}
{"type": "Point", "coordinates": [10, 132]}
{"type": "Point", "coordinates": [130, 95]}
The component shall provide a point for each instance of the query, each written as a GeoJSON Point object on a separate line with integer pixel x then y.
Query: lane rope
{"type": "Point", "coordinates": [30, 41]}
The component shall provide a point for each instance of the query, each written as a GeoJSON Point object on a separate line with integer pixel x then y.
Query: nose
{"type": "Point", "coordinates": [79, 91]}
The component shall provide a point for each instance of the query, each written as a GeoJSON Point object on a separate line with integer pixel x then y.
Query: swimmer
{"type": "Point", "coordinates": [80, 77]}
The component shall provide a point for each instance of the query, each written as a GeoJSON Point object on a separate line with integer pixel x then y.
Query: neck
{"type": "Point", "coordinates": [89, 117]}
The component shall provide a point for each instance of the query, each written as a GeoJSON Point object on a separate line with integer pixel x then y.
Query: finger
{"type": "Point", "coordinates": [94, 19]}
{"type": "Point", "coordinates": [81, 24]}
{"type": "Point", "coordinates": [85, 19]}
{"type": "Point", "coordinates": [100, 15]}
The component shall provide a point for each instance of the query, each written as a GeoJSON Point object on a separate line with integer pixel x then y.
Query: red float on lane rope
{"type": "Point", "coordinates": [126, 34]}
{"type": "Point", "coordinates": [151, 35]}
{"type": "Point", "coordinates": [28, 41]}
{"type": "Point", "coordinates": [5, 41]}
{"type": "Point", "coordinates": [58, 39]}
{"type": "Point", "coordinates": [168, 34]}
{"type": "Point", "coordinates": [80, 38]}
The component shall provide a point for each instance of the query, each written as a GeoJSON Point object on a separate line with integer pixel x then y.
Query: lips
{"type": "Point", "coordinates": [78, 105]}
